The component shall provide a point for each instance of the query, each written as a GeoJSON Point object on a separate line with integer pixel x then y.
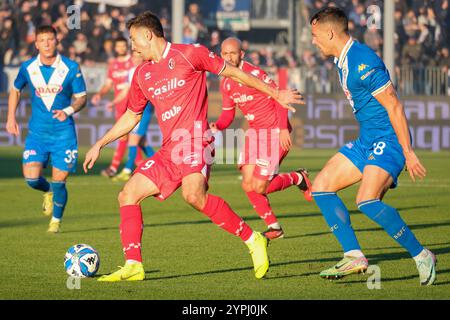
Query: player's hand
{"type": "Point", "coordinates": [12, 127]}
{"type": "Point", "coordinates": [213, 127]}
{"type": "Point", "coordinates": [414, 167]}
{"type": "Point", "coordinates": [91, 157]}
{"type": "Point", "coordinates": [60, 115]}
{"type": "Point", "coordinates": [285, 139]}
{"type": "Point", "coordinates": [96, 99]}
{"type": "Point", "coordinates": [288, 97]}
{"type": "Point", "coordinates": [109, 106]}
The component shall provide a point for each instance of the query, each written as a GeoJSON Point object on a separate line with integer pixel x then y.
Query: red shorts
{"type": "Point", "coordinates": [262, 148]}
{"type": "Point", "coordinates": [166, 168]}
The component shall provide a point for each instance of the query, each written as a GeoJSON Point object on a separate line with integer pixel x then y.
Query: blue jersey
{"type": "Point", "coordinates": [51, 88]}
{"type": "Point", "coordinates": [363, 75]}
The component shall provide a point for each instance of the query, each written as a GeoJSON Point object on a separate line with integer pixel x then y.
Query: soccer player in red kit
{"type": "Point", "coordinates": [173, 78]}
{"type": "Point", "coordinates": [117, 79]}
{"type": "Point", "coordinates": [268, 126]}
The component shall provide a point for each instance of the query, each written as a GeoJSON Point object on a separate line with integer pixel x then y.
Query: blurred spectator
{"type": "Point", "coordinates": [214, 42]}
{"type": "Point", "coordinates": [412, 53]}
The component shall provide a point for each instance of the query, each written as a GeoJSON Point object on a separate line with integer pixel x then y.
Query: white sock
{"type": "Point", "coordinates": [275, 225]}
{"type": "Point", "coordinates": [421, 255]}
{"type": "Point", "coordinates": [132, 261]}
{"type": "Point", "coordinates": [126, 170]}
{"type": "Point", "coordinates": [55, 219]}
{"type": "Point", "coordinates": [354, 253]}
{"type": "Point", "coordinates": [251, 239]}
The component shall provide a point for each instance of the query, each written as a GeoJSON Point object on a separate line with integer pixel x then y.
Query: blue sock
{"type": "Point", "coordinates": [59, 198]}
{"type": "Point", "coordinates": [132, 154]}
{"type": "Point", "coordinates": [39, 184]}
{"type": "Point", "coordinates": [392, 223]}
{"type": "Point", "coordinates": [148, 151]}
{"type": "Point", "coordinates": [338, 219]}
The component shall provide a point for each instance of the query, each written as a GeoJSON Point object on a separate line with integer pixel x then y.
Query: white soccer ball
{"type": "Point", "coordinates": [81, 260]}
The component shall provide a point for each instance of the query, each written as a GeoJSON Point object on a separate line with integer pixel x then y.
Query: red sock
{"type": "Point", "coordinates": [282, 181]}
{"type": "Point", "coordinates": [122, 145]}
{"type": "Point", "coordinates": [222, 215]}
{"type": "Point", "coordinates": [261, 205]}
{"type": "Point", "coordinates": [139, 158]}
{"type": "Point", "coordinates": [131, 225]}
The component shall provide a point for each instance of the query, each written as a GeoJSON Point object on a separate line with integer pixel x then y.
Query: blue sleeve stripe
{"type": "Point", "coordinates": [382, 88]}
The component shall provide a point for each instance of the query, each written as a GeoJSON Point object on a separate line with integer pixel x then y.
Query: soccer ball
{"type": "Point", "coordinates": [81, 260]}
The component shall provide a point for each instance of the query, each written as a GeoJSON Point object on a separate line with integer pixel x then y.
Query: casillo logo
{"type": "Point", "coordinates": [171, 113]}
{"type": "Point", "coordinates": [243, 98]}
{"type": "Point", "coordinates": [49, 90]}
{"type": "Point", "coordinates": [120, 74]}
{"type": "Point", "coordinates": [168, 86]}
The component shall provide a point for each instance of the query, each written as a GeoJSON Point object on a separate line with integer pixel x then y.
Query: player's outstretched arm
{"type": "Point", "coordinates": [284, 97]}
{"type": "Point", "coordinates": [107, 86]}
{"type": "Point", "coordinates": [13, 100]}
{"type": "Point", "coordinates": [78, 104]}
{"type": "Point", "coordinates": [123, 126]}
{"type": "Point", "coordinates": [389, 100]}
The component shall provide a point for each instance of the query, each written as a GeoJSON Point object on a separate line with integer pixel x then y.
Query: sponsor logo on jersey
{"type": "Point", "coordinates": [362, 67]}
{"type": "Point", "coordinates": [171, 64]}
{"type": "Point", "coordinates": [367, 74]}
{"type": "Point", "coordinates": [147, 76]}
{"type": "Point", "coordinates": [168, 86]}
{"type": "Point", "coordinates": [28, 153]}
{"type": "Point", "coordinates": [249, 117]}
{"type": "Point", "coordinates": [255, 72]}
{"type": "Point", "coordinates": [170, 113]}
{"type": "Point", "coordinates": [243, 98]}
{"type": "Point", "coordinates": [48, 90]}
{"type": "Point", "coordinates": [211, 54]}
{"type": "Point", "coordinates": [120, 74]}
{"type": "Point", "coordinates": [266, 79]}
{"type": "Point", "coordinates": [349, 145]}
{"type": "Point", "coordinates": [262, 163]}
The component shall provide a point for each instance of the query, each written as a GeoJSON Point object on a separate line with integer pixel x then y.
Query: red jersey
{"type": "Point", "coordinates": [118, 72]}
{"type": "Point", "coordinates": [176, 86]}
{"type": "Point", "coordinates": [261, 110]}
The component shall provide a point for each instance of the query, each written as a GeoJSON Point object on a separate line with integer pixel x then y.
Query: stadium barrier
{"type": "Point", "coordinates": [326, 121]}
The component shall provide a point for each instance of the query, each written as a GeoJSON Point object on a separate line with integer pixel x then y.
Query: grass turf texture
{"type": "Point", "coordinates": [188, 257]}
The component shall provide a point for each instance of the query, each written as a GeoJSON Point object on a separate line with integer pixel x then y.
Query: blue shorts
{"type": "Point", "coordinates": [384, 153]}
{"type": "Point", "coordinates": [141, 128]}
{"type": "Point", "coordinates": [62, 152]}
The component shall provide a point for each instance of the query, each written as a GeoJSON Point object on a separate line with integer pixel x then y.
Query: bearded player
{"type": "Point", "coordinates": [268, 127]}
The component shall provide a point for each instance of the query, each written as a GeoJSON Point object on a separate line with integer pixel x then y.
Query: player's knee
{"type": "Point", "coordinates": [246, 186]}
{"type": "Point", "coordinates": [195, 200]}
{"type": "Point", "coordinates": [320, 184]}
{"type": "Point", "coordinates": [126, 197]}
{"type": "Point", "coordinates": [259, 188]}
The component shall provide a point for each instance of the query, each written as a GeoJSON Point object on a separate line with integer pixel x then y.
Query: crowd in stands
{"type": "Point", "coordinates": [422, 31]}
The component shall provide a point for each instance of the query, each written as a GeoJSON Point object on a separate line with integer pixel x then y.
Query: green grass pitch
{"type": "Point", "coordinates": [187, 257]}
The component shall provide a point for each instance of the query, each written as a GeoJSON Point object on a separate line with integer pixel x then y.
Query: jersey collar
{"type": "Point", "coordinates": [166, 50]}
{"type": "Point", "coordinates": [54, 64]}
{"type": "Point", "coordinates": [344, 52]}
